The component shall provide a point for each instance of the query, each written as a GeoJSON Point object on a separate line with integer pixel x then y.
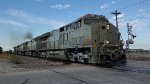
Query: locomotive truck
{"type": "Point", "coordinates": [89, 39]}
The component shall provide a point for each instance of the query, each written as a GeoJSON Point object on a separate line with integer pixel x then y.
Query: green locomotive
{"type": "Point", "coordinates": [89, 39]}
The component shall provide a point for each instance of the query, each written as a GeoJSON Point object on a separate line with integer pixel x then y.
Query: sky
{"type": "Point", "coordinates": [21, 20]}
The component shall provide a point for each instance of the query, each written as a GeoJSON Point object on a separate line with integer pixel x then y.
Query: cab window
{"type": "Point", "coordinates": [91, 20]}
{"type": "Point", "coordinates": [103, 27]}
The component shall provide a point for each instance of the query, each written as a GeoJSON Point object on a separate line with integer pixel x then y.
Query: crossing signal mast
{"type": "Point", "coordinates": [130, 38]}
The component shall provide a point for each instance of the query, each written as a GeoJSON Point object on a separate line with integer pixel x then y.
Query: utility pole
{"type": "Point", "coordinates": [116, 13]}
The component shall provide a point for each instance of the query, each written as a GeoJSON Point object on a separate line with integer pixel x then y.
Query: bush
{"type": "Point", "coordinates": [14, 59]}
{"type": "Point", "coordinates": [1, 50]}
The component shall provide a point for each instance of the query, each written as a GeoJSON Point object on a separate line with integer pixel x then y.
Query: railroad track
{"type": "Point", "coordinates": [134, 69]}
{"type": "Point", "coordinates": [116, 68]}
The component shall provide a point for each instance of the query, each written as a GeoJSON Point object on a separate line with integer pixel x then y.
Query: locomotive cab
{"type": "Point", "coordinates": [107, 45]}
{"type": "Point", "coordinates": [111, 46]}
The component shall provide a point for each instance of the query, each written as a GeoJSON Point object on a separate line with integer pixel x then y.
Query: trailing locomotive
{"type": "Point", "coordinates": [89, 39]}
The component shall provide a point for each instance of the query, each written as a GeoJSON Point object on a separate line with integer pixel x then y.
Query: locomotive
{"type": "Point", "coordinates": [89, 39]}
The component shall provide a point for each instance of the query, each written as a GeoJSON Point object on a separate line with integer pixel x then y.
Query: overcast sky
{"type": "Point", "coordinates": [21, 17]}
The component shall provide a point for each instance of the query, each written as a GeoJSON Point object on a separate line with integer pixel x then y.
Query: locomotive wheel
{"type": "Point", "coordinates": [75, 60]}
{"type": "Point", "coordinates": [43, 55]}
{"type": "Point", "coordinates": [107, 62]}
{"type": "Point", "coordinates": [123, 60]}
{"type": "Point", "coordinates": [86, 60]}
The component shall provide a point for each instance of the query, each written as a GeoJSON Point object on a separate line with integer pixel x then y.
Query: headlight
{"type": "Point", "coordinates": [107, 42]}
{"type": "Point", "coordinates": [108, 26]}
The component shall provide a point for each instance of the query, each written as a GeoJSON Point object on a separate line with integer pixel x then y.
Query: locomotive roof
{"type": "Point", "coordinates": [85, 16]}
{"type": "Point", "coordinates": [43, 36]}
{"type": "Point", "coordinates": [102, 17]}
{"type": "Point", "coordinates": [89, 15]}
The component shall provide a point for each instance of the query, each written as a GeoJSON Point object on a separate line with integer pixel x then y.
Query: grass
{"type": "Point", "coordinates": [10, 58]}
{"type": "Point", "coordinates": [4, 57]}
{"type": "Point", "coordinates": [15, 59]}
{"type": "Point", "coordinates": [140, 57]}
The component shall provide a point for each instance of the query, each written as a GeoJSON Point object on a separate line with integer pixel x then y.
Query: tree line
{"type": "Point", "coordinates": [1, 49]}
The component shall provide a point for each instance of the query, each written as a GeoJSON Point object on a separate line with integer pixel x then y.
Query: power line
{"type": "Point", "coordinates": [138, 4]}
{"type": "Point", "coordinates": [135, 5]}
{"type": "Point", "coordinates": [145, 17]}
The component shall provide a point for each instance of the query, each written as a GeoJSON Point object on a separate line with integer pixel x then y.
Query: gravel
{"type": "Point", "coordinates": [73, 73]}
{"type": "Point", "coordinates": [32, 63]}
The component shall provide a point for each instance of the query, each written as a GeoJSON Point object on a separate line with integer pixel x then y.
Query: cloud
{"type": "Point", "coordinates": [121, 16]}
{"type": "Point", "coordinates": [137, 23]}
{"type": "Point", "coordinates": [35, 19]}
{"type": "Point", "coordinates": [39, 0]}
{"type": "Point", "coordinates": [61, 6]}
{"type": "Point", "coordinates": [113, 2]}
{"type": "Point", "coordinates": [104, 6]}
{"type": "Point", "coordinates": [12, 22]}
{"type": "Point", "coordinates": [142, 10]}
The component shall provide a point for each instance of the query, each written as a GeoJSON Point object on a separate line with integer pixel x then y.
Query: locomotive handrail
{"type": "Point", "coordinates": [112, 50]}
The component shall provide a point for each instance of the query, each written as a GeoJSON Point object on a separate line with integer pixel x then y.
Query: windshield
{"type": "Point", "coordinates": [90, 21]}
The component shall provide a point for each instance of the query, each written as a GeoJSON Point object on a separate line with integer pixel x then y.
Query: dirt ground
{"type": "Point", "coordinates": [36, 71]}
{"type": "Point", "coordinates": [139, 56]}
{"type": "Point", "coordinates": [31, 63]}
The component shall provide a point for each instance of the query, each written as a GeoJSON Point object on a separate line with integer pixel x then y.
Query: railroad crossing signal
{"type": "Point", "coordinates": [130, 37]}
